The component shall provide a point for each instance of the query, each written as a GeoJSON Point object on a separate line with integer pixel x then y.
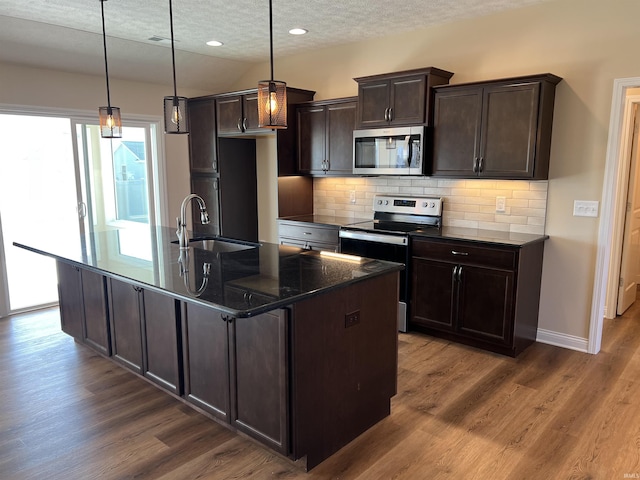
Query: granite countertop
{"type": "Point", "coordinates": [241, 283]}
{"type": "Point", "coordinates": [330, 220]}
{"type": "Point", "coordinates": [482, 236]}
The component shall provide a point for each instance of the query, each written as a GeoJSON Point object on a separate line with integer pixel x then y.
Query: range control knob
{"type": "Point", "coordinates": [379, 202]}
{"type": "Point", "coordinates": [425, 204]}
{"type": "Point", "coordinates": [386, 202]}
{"type": "Point", "coordinates": [433, 205]}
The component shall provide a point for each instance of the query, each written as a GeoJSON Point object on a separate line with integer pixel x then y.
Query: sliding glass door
{"type": "Point", "coordinates": [61, 180]}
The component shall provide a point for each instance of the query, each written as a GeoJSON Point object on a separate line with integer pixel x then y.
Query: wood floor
{"type": "Point", "coordinates": [67, 413]}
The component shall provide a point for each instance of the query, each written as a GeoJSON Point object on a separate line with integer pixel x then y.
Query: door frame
{"type": "Point", "coordinates": [614, 200]}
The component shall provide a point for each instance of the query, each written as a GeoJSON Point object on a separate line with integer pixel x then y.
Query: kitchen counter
{"type": "Point", "coordinates": [295, 349]}
{"type": "Point", "coordinates": [329, 220]}
{"type": "Point", "coordinates": [278, 275]}
{"type": "Point", "coordinates": [482, 236]}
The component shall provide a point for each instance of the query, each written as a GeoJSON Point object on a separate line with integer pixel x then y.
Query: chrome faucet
{"type": "Point", "coordinates": [183, 235]}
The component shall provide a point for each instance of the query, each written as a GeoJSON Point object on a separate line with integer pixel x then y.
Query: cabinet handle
{"type": "Point", "coordinates": [239, 125]}
{"type": "Point", "coordinates": [390, 114]}
{"type": "Point", "coordinates": [214, 165]}
{"type": "Point", "coordinates": [386, 114]}
{"type": "Point", "coordinates": [475, 165]}
{"type": "Point", "coordinates": [455, 252]}
{"type": "Point", "coordinates": [326, 166]}
{"type": "Point", "coordinates": [481, 164]}
{"type": "Point", "coordinates": [244, 124]}
{"type": "Point", "coordinates": [454, 273]}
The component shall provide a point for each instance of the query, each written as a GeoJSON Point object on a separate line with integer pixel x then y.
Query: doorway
{"type": "Point", "coordinates": [60, 179]}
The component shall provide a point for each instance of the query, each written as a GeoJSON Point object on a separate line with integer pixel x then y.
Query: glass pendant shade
{"type": "Point", "coordinates": [176, 119]}
{"type": "Point", "coordinates": [272, 104]}
{"type": "Point", "coordinates": [110, 122]}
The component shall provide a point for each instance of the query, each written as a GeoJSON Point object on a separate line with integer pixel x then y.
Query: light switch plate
{"type": "Point", "coordinates": [585, 208]}
{"type": "Point", "coordinates": [352, 196]}
{"type": "Point", "coordinates": [501, 204]}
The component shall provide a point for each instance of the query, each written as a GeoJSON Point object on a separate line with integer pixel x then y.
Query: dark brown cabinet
{"type": "Point", "coordinates": [480, 294]}
{"type": "Point", "coordinates": [237, 370]}
{"type": "Point", "coordinates": [83, 306]}
{"type": "Point", "coordinates": [207, 187]}
{"type": "Point", "coordinates": [400, 98]}
{"type": "Point", "coordinates": [144, 332]}
{"type": "Point", "coordinates": [202, 135]}
{"type": "Point", "coordinates": [237, 113]}
{"type": "Point", "coordinates": [325, 137]}
{"type": "Point", "coordinates": [499, 129]}
{"type": "Point", "coordinates": [310, 236]}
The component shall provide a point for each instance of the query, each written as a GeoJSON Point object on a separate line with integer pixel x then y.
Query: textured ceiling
{"type": "Point", "coordinates": [66, 34]}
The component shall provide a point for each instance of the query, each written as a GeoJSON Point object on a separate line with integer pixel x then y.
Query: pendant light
{"type": "Point", "coordinates": [175, 107]}
{"type": "Point", "coordinates": [272, 94]}
{"type": "Point", "coordinates": [110, 121]}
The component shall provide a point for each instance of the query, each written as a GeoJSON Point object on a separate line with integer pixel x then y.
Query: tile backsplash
{"type": "Point", "coordinates": [467, 203]}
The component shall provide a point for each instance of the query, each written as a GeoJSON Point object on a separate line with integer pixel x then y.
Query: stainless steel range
{"type": "Point", "coordinates": [386, 237]}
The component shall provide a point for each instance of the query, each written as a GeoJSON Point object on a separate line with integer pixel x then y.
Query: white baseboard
{"type": "Point", "coordinates": [563, 340]}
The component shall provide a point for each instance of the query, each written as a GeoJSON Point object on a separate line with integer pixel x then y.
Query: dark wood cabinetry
{"type": "Point", "coordinates": [144, 332]}
{"type": "Point", "coordinates": [83, 306]}
{"type": "Point", "coordinates": [400, 98]}
{"type": "Point", "coordinates": [237, 113]}
{"type": "Point", "coordinates": [325, 136]}
{"type": "Point", "coordinates": [207, 187]}
{"type": "Point", "coordinates": [203, 154]}
{"type": "Point", "coordinates": [237, 370]}
{"type": "Point", "coordinates": [310, 236]}
{"type": "Point", "coordinates": [498, 129]}
{"type": "Point", "coordinates": [480, 294]}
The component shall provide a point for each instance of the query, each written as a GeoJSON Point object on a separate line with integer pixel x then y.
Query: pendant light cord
{"type": "Point", "coordinates": [271, 36]}
{"type": "Point", "coordinates": [104, 41]}
{"type": "Point", "coordinates": [173, 55]}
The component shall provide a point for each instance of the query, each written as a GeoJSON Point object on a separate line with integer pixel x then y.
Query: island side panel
{"type": "Point", "coordinates": [344, 365]}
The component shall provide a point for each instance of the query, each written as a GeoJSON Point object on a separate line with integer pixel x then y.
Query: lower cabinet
{"type": "Point", "coordinates": [144, 332]}
{"type": "Point", "coordinates": [310, 236]}
{"type": "Point", "coordinates": [83, 306]}
{"type": "Point", "coordinates": [479, 294]}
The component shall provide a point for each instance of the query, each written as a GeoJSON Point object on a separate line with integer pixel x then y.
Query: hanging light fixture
{"type": "Point", "coordinates": [110, 121]}
{"type": "Point", "coordinates": [175, 107]}
{"type": "Point", "coordinates": [272, 94]}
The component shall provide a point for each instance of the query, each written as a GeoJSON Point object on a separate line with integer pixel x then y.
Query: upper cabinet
{"type": "Point", "coordinates": [497, 129]}
{"type": "Point", "coordinates": [325, 136]}
{"type": "Point", "coordinates": [400, 98]}
{"type": "Point", "coordinates": [238, 113]}
{"type": "Point", "coordinates": [202, 136]}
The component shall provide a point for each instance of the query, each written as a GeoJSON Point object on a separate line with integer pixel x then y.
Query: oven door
{"type": "Point", "coordinates": [392, 248]}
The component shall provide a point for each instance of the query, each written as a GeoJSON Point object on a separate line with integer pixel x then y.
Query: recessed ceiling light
{"type": "Point", "coordinates": [298, 31]}
{"type": "Point", "coordinates": [214, 43]}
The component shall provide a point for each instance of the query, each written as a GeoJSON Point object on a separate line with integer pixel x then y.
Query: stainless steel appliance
{"type": "Point", "coordinates": [389, 151]}
{"type": "Point", "coordinates": [386, 237]}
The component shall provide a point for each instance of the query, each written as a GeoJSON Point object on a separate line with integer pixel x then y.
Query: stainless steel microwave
{"type": "Point", "coordinates": [389, 151]}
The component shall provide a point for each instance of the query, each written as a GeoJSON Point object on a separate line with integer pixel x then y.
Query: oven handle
{"type": "Point", "coordinates": [374, 237]}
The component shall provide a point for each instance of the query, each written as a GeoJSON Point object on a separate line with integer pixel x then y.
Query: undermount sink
{"type": "Point", "coordinates": [218, 245]}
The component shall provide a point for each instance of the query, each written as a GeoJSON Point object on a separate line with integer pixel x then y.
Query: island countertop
{"type": "Point", "coordinates": [241, 283]}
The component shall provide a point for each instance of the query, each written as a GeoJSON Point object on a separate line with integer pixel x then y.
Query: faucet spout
{"type": "Point", "coordinates": [183, 234]}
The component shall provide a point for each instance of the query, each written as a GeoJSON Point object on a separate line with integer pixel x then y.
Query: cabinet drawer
{"type": "Point", "coordinates": [462, 252]}
{"type": "Point", "coordinates": [309, 232]}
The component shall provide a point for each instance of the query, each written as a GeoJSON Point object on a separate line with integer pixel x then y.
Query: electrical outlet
{"type": "Point", "coordinates": [585, 208]}
{"type": "Point", "coordinates": [501, 204]}
{"type": "Point", "coordinates": [351, 319]}
{"type": "Point", "coordinates": [352, 196]}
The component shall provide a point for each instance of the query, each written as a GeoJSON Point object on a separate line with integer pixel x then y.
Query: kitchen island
{"type": "Point", "coordinates": [293, 348]}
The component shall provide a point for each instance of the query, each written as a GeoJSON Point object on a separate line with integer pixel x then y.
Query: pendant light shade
{"type": "Point", "coordinates": [272, 94]}
{"type": "Point", "coordinates": [175, 107]}
{"type": "Point", "coordinates": [110, 121]}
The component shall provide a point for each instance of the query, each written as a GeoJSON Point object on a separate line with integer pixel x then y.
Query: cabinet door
{"type": "Point", "coordinates": [250, 114]}
{"type": "Point", "coordinates": [509, 130]}
{"type": "Point", "coordinates": [229, 114]}
{"type": "Point", "coordinates": [408, 100]}
{"type": "Point", "coordinates": [202, 136]}
{"type": "Point", "coordinates": [94, 291]}
{"type": "Point", "coordinates": [207, 187]}
{"type": "Point", "coordinates": [456, 132]}
{"type": "Point", "coordinates": [260, 385]}
{"type": "Point", "coordinates": [206, 359]}
{"type": "Point", "coordinates": [485, 304]}
{"type": "Point", "coordinates": [373, 103]}
{"type": "Point", "coordinates": [340, 123]}
{"type": "Point", "coordinates": [311, 139]}
{"type": "Point", "coordinates": [433, 294]}
{"type": "Point", "coordinates": [126, 325]}
{"type": "Point", "coordinates": [70, 298]}
{"type": "Point", "coordinates": [163, 362]}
